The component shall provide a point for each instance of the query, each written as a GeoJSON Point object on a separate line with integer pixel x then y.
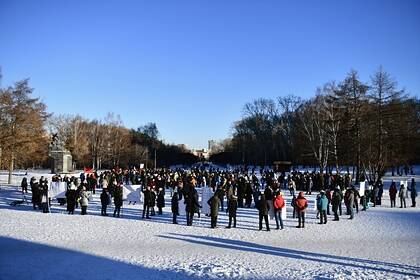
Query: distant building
{"type": "Point", "coordinates": [212, 143]}
{"type": "Point", "coordinates": [201, 153]}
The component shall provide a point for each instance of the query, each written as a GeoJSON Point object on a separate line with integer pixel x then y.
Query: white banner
{"type": "Point", "coordinates": [206, 194]}
{"type": "Point", "coordinates": [57, 190]}
{"type": "Point", "coordinates": [362, 189]}
{"type": "Point", "coordinates": [181, 207]}
{"type": "Point", "coordinates": [284, 211]}
{"type": "Point", "coordinates": [133, 193]}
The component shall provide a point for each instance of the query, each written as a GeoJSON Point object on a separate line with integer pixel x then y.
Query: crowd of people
{"type": "Point", "coordinates": [242, 188]}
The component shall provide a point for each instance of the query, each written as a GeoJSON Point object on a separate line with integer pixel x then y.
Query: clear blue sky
{"type": "Point", "coordinates": [190, 66]}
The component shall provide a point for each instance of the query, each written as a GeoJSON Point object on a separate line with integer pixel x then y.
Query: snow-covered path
{"type": "Point", "coordinates": [382, 243]}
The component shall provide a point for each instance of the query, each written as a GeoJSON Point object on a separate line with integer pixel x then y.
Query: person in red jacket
{"type": "Point", "coordinates": [301, 205]}
{"type": "Point", "coordinates": [278, 208]}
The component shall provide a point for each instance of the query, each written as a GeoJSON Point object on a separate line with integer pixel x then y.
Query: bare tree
{"type": "Point", "coordinates": [312, 120]}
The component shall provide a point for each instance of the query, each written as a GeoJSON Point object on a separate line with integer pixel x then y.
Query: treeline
{"type": "Point", "coordinates": [26, 131]}
{"type": "Point", "coordinates": [104, 144]}
{"type": "Point", "coordinates": [370, 126]}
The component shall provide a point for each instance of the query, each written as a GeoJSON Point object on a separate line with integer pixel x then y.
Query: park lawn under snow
{"type": "Point", "coordinates": [382, 243]}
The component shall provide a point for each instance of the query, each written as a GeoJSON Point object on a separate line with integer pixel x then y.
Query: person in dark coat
{"type": "Point", "coordinates": [160, 200]}
{"type": "Point", "coordinates": [24, 185]}
{"type": "Point", "coordinates": [248, 195]}
{"type": "Point", "coordinates": [45, 200]}
{"type": "Point", "coordinates": [104, 202]}
{"type": "Point", "coordinates": [146, 203]}
{"type": "Point", "coordinates": [71, 197]}
{"type": "Point", "coordinates": [214, 203]}
{"type": "Point", "coordinates": [349, 201]}
{"type": "Point", "coordinates": [336, 201]}
{"type": "Point", "coordinates": [301, 205]}
{"type": "Point", "coordinates": [232, 207]}
{"type": "Point", "coordinates": [263, 207]}
{"type": "Point", "coordinates": [413, 193]}
{"type": "Point", "coordinates": [393, 194]}
{"type": "Point", "coordinates": [174, 206]}
{"type": "Point", "coordinates": [118, 200]}
{"type": "Point", "coordinates": [293, 204]}
{"type": "Point", "coordinates": [36, 201]}
{"type": "Point", "coordinates": [191, 204]}
{"type": "Point", "coordinates": [340, 192]}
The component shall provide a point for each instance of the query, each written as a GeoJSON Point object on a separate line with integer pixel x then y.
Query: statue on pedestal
{"type": "Point", "coordinates": [62, 161]}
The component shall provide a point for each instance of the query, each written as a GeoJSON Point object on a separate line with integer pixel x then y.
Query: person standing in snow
{"type": "Point", "coordinates": [71, 197]}
{"type": "Point", "coordinates": [279, 205]}
{"type": "Point", "coordinates": [191, 204]}
{"type": "Point", "coordinates": [328, 194]}
{"type": "Point", "coordinates": [45, 200]}
{"type": "Point", "coordinates": [413, 191]}
{"type": "Point", "coordinates": [174, 206]}
{"type": "Point", "coordinates": [160, 200]}
{"type": "Point", "coordinates": [322, 203]}
{"type": "Point", "coordinates": [232, 207]}
{"type": "Point", "coordinates": [24, 185]}
{"type": "Point", "coordinates": [293, 204]}
{"type": "Point", "coordinates": [36, 197]}
{"type": "Point", "coordinates": [118, 199]}
{"type": "Point", "coordinates": [402, 194]}
{"type": "Point", "coordinates": [292, 187]}
{"type": "Point", "coordinates": [214, 203]}
{"type": "Point", "coordinates": [335, 201]}
{"type": "Point", "coordinates": [349, 201]}
{"type": "Point", "coordinates": [301, 205]}
{"type": "Point", "coordinates": [263, 207]}
{"type": "Point", "coordinates": [146, 202]}
{"type": "Point", "coordinates": [393, 194]}
{"type": "Point", "coordinates": [104, 202]}
{"type": "Point", "coordinates": [84, 200]}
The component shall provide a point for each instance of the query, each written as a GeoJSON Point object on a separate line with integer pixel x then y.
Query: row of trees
{"type": "Point", "coordinates": [370, 126]}
{"type": "Point", "coordinates": [26, 130]}
{"type": "Point", "coordinates": [107, 143]}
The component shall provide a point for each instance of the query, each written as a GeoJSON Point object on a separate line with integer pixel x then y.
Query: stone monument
{"type": "Point", "coordinates": [62, 161]}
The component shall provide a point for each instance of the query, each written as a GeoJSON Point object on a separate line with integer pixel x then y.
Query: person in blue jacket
{"type": "Point", "coordinates": [322, 204]}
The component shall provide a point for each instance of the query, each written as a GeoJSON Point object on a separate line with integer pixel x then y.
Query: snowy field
{"type": "Point", "coordinates": [382, 243]}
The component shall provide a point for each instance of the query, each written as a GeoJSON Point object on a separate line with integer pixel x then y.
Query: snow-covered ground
{"type": "Point", "coordinates": [382, 243]}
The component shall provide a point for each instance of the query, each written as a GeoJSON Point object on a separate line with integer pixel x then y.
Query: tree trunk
{"type": "Point", "coordinates": [11, 167]}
